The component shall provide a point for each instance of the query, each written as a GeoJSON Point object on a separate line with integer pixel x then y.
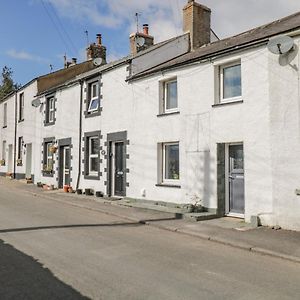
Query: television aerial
{"type": "Point", "coordinates": [97, 61]}
{"type": "Point", "coordinates": [280, 45]}
{"type": "Point", "coordinates": [140, 41]}
{"type": "Point", "coordinates": [36, 102]}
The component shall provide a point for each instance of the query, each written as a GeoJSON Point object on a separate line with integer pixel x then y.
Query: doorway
{"type": "Point", "coordinates": [117, 164]}
{"type": "Point", "coordinates": [28, 161]}
{"type": "Point", "coordinates": [235, 183]}
{"type": "Point", "coordinates": [65, 166]}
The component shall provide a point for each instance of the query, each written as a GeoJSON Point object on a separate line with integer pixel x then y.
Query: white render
{"type": "Point", "coordinates": [267, 122]}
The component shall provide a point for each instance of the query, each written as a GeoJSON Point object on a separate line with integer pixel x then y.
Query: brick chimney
{"type": "Point", "coordinates": [141, 40]}
{"type": "Point", "coordinates": [196, 21]}
{"type": "Point", "coordinates": [96, 50]}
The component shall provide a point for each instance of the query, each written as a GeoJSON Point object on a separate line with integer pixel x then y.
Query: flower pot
{"type": "Point", "coordinates": [99, 194]}
{"type": "Point", "coordinates": [66, 188]}
{"type": "Point", "coordinates": [70, 190]}
{"type": "Point", "coordinates": [88, 192]}
{"type": "Point", "coordinates": [79, 191]}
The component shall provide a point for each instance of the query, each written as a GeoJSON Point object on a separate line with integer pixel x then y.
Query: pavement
{"type": "Point", "coordinates": [228, 231]}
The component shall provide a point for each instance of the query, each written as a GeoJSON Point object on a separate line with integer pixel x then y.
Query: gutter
{"type": "Point", "coordinates": [15, 135]}
{"type": "Point", "coordinates": [80, 135]}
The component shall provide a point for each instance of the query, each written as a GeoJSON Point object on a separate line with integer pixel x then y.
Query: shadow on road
{"type": "Point", "coordinates": [129, 224]}
{"type": "Point", "coordinates": [22, 277]}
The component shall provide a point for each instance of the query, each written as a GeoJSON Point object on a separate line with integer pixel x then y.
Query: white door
{"type": "Point", "coordinates": [28, 160]}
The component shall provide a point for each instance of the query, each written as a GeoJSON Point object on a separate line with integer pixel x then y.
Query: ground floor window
{"type": "Point", "coordinates": [92, 155]}
{"type": "Point", "coordinates": [169, 163]}
{"type": "Point", "coordinates": [48, 158]}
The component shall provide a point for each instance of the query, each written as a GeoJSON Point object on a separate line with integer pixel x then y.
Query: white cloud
{"type": "Point", "coordinates": [165, 17]}
{"type": "Point", "coordinates": [23, 55]}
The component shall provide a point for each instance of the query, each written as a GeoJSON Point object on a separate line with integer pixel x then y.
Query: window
{"type": "Point", "coordinates": [93, 97]}
{"type": "Point", "coordinates": [170, 163]}
{"type": "Point", "coordinates": [170, 96]}
{"type": "Point", "coordinates": [92, 155]}
{"type": "Point", "coordinates": [230, 82]}
{"type": "Point", "coordinates": [5, 115]}
{"type": "Point", "coordinates": [50, 110]}
{"type": "Point", "coordinates": [21, 107]}
{"type": "Point", "coordinates": [20, 147]}
{"type": "Point", "coordinates": [48, 157]}
{"type": "Point", "coordinates": [3, 153]}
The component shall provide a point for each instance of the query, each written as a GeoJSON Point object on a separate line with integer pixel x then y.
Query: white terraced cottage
{"type": "Point", "coordinates": [191, 118]}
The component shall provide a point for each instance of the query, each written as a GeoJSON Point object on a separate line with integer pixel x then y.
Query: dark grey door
{"type": "Point", "coordinates": [119, 169]}
{"type": "Point", "coordinates": [67, 165]}
{"type": "Point", "coordinates": [236, 179]}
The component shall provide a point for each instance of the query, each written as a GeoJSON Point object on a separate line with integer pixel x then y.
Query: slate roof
{"type": "Point", "coordinates": [259, 34]}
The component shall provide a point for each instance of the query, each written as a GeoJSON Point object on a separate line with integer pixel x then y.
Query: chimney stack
{"type": "Point", "coordinates": [96, 50]}
{"type": "Point", "coordinates": [196, 21]}
{"type": "Point", "coordinates": [141, 40]}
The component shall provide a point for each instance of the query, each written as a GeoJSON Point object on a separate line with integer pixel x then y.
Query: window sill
{"type": "Point", "coordinates": [168, 114]}
{"type": "Point", "coordinates": [228, 103]}
{"type": "Point", "coordinates": [92, 177]}
{"type": "Point", "coordinates": [96, 113]}
{"type": "Point", "coordinates": [175, 186]}
{"type": "Point", "coordinates": [4, 127]}
{"type": "Point", "coordinates": [49, 124]}
{"type": "Point", "coordinates": [47, 174]}
{"type": "Point", "coordinates": [20, 121]}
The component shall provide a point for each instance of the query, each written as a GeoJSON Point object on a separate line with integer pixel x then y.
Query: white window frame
{"type": "Point", "coordinates": [51, 109]}
{"type": "Point", "coordinates": [93, 97]}
{"type": "Point", "coordinates": [20, 148]}
{"type": "Point", "coordinates": [92, 155]}
{"type": "Point", "coordinates": [221, 82]}
{"type": "Point", "coordinates": [164, 179]}
{"type": "Point", "coordinates": [165, 96]}
{"type": "Point", "coordinates": [49, 155]}
{"type": "Point", "coordinates": [5, 115]}
{"type": "Point", "coordinates": [21, 108]}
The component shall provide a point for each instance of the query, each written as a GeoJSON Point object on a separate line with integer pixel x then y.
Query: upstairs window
{"type": "Point", "coordinates": [50, 111]}
{"type": "Point", "coordinates": [21, 107]}
{"type": "Point", "coordinates": [5, 115]}
{"type": "Point", "coordinates": [230, 82]}
{"type": "Point", "coordinates": [94, 100]}
{"type": "Point", "coordinates": [170, 96]}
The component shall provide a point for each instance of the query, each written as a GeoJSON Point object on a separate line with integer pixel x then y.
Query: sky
{"type": "Point", "coordinates": [37, 33]}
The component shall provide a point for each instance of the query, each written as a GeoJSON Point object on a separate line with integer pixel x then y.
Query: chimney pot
{"type": "Point", "coordinates": [99, 39]}
{"type": "Point", "coordinates": [74, 60]}
{"type": "Point", "coordinates": [146, 29]}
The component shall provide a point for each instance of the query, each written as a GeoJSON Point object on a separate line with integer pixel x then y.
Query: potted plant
{"type": "Point", "coordinates": [53, 149]}
{"type": "Point", "coordinates": [66, 188]}
{"type": "Point", "coordinates": [2, 162]}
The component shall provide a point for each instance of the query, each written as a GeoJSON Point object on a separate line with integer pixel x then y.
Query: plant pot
{"type": "Point", "coordinates": [88, 192]}
{"type": "Point", "coordinates": [99, 194]}
{"type": "Point", "coordinates": [79, 191]}
{"type": "Point", "coordinates": [70, 190]}
{"type": "Point", "coordinates": [39, 184]}
{"type": "Point", "coordinates": [66, 188]}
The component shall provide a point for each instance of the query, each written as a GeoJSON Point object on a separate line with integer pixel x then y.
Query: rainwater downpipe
{"type": "Point", "coordinates": [15, 134]}
{"type": "Point", "coordinates": [80, 135]}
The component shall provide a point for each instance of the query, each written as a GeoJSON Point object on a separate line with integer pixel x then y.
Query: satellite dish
{"type": "Point", "coordinates": [36, 102]}
{"type": "Point", "coordinates": [97, 61]}
{"type": "Point", "coordinates": [281, 44]}
{"type": "Point", "coordinates": [140, 41]}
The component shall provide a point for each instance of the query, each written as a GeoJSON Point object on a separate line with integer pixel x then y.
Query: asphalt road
{"type": "Point", "coordinates": [59, 251]}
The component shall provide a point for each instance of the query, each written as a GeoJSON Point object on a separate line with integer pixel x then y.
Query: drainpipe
{"type": "Point", "coordinates": [80, 134]}
{"type": "Point", "coordinates": [15, 137]}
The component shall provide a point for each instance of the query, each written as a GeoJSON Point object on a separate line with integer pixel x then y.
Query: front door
{"type": "Point", "coordinates": [66, 165]}
{"type": "Point", "coordinates": [119, 188]}
{"type": "Point", "coordinates": [236, 179]}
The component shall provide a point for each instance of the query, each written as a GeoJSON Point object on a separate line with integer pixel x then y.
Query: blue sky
{"type": "Point", "coordinates": [32, 40]}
